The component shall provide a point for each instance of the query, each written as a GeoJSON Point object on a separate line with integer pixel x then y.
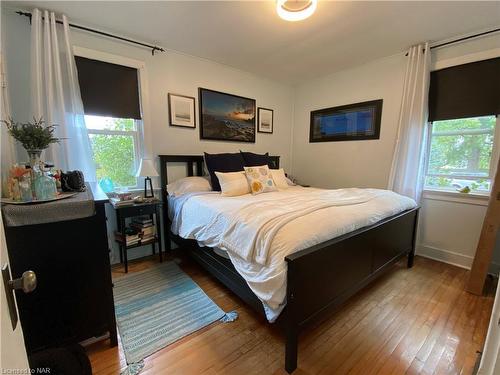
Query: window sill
{"type": "Point", "coordinates": [452, 196]}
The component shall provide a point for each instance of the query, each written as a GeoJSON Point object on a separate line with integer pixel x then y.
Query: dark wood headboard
{"type": "Point", "coordinates": [191, 161]}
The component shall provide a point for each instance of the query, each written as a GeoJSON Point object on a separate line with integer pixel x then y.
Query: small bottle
{"type": "Point", "coordinates": [49, 185]}
{"type": "Point", "coordinates": [25, 188]}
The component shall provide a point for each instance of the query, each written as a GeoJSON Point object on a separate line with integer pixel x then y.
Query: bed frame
{"type": "Point", "coordinates": [320, 278]}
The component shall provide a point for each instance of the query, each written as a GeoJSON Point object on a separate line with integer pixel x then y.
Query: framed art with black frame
{"type": "Point", "coordinates": [353, 122]}
{"type": "Point", "coordinates": [265, 120]}
{"type": "Point", "coordinates": [181, 110]}
{"type": "Point", "coordinates": [226, 117]}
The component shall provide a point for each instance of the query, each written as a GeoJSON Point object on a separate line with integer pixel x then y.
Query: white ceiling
{"type": "Point", "coordinates": [250, 36]}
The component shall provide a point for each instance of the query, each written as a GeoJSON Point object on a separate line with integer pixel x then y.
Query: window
{"type": "Point", "coordinates": [462, 153]}
{"type": "Point", "coordinates": [116, 148]}
{"type": "Point", "coordinates": [111, 101]}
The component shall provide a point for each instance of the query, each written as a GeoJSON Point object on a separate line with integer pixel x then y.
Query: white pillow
{"type": "Point", "coordinates": [279, 178]}
{"type": "Point", "coordinates": [260, 179]}
{"type": "Point", "coordinates": [188, 185]}
{"type": "Point", "coordinates": [233, 184]}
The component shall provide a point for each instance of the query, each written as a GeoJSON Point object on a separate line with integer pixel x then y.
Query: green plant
{"type": "Point", "coordinates": [32, 135]}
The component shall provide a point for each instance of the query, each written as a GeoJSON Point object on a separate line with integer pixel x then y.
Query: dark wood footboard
{"type": "Point", "coordinates": [319, 278]}
{"type": "Point", "coordinates": [322, 277]}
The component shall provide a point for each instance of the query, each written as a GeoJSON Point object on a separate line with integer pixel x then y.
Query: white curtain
{"type": "Point", "coordinates": [55, 93]}
{"type": "Point", "coordinates": [407, 173]}
{"type": "Point", "coordinates": [8, 150]}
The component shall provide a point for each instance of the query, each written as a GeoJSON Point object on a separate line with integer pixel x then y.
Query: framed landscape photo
{"type": "Point", "coordinates": [264, 120]}
{"type": "Point", "coordinates": [353, 122]}
{"type": "Point", "coordinates": [181, 110]}
{"type": "Point", "coordinates": [226, 117]}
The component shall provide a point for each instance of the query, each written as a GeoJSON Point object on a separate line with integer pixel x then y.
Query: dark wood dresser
{"type": "Point", "coordinates": [73, 300]}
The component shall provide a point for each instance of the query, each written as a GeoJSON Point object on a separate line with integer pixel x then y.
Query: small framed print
{"type": "Point", "coordinates": [265, 120]}
{"type": "Point", "coordinates": [181, 110]}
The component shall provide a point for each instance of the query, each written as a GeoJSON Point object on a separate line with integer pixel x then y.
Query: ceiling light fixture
{"type": "Point", "coordinates": [291, 10]}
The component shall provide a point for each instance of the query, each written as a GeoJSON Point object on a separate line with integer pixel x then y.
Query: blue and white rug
{"type": "Point", "coordinates": [157, 307]}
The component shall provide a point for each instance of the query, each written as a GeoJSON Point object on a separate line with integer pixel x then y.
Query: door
{"type": "Point", "coordinates": [12, 349]}
{"type": "Point", "coordinates": [490, 361]}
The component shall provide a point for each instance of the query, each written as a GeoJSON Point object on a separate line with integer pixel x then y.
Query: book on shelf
{"type": "Point", "coordinates": [151, 229]}
{"type": "Point", "coordinates": [148, 238]}
{"type": "Point", "coordinates": [128, 239]}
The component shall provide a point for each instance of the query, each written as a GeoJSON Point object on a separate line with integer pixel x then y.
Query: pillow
{"type": "Point", "coordinates": [233, 183]}
{"type": "Point", "coordinates": [188, 185]}
{"type": "Point", "coordinates": [222, 163]}
{"type": "Point", "coordinates": [254, 160]}
{"type": "Point", "coordinates": [279, 178]}
{"type": "Point", "coordinates": [260, 179]}
{"type": "Point", "coordinates": [290, 182]}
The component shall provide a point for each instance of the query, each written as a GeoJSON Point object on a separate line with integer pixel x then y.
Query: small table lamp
{"type": "Point", "coordinates": [147, 169]}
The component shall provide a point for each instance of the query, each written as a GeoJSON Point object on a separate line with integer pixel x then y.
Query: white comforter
{"type": "Point", "coordinates": [259, 231]}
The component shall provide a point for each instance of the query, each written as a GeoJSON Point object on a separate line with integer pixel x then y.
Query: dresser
{"type": "Point", "coordinates": [73, 300]}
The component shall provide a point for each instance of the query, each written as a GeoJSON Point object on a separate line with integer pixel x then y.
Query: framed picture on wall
{"type": "Point", "coordinates": [226, 117]}
{"type": "Point", "coordinates": [264, 120]}
{"type": "Point", "coordinates": [350, 122]}
{"type": "Point", "coordinates": [181, 110]}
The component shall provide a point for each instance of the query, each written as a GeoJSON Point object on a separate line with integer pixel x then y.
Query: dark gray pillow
{"type": "Point", "coordinates": [253, 160]}
{"type": "Point", "coordinates": [222, 163]}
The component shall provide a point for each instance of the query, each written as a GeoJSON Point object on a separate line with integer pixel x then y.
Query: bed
{"type": "Point", "coordinates": [318, 278]}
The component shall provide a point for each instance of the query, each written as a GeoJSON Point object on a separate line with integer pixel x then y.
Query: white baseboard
{"type": "Point", "coordinates": [451, 257]}
{"type": "Point", "coordinates": [446, 256]}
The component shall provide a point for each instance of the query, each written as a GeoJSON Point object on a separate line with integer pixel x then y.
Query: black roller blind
{"type": "Point", "coordinates": [467, 90]}
{"type": "Point", "coordinates": [108, 89]}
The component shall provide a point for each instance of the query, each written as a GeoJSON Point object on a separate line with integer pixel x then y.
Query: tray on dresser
{"type": "Point", "coordinates": [59, 197]}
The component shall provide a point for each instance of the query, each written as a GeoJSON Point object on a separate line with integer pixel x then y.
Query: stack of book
{"type": "Point", "coordinates": [144, 225]}
{"type": "Point", "coordinates": [118, 202]}
{"type": "Point", "coordinates": [129, 238]}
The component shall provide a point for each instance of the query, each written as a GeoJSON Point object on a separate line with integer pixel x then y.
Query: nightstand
{"type": "Point", "coordinates": [151, 210]}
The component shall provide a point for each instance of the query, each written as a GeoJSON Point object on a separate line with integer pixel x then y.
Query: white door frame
{"type": "Point", "coordinates": [12, 349]}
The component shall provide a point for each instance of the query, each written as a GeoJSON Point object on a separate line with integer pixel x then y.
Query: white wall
{"type": "Point", "coordinates": [448, 230]}
{"type": "Point", "coordinates": [346, 164]}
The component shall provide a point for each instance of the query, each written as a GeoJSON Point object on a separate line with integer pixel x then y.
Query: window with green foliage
{"type": "Point", "coordinates": [115, 144]}
{"type": "Point", "coordinates": [461, 154]}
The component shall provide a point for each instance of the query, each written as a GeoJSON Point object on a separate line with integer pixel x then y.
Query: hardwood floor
{"type": "Point", "coordinates": [411, 321]}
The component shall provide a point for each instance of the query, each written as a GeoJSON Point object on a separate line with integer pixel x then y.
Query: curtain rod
{"type": "Point", "coordinates": [153, 48]}
{"type": "Point", "coordinates": [466, 38]}
{"type": "Point", "coordinates": [461, 39]}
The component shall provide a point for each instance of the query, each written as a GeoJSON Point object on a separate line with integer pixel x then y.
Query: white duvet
{"type": "Point", "coordinates": [259, 231]}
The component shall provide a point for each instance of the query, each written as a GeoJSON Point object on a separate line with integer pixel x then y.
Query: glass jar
{"type": "Point", "coordinates": [45, 186]}
{"type": "Point", "coordinates": [25, 188]}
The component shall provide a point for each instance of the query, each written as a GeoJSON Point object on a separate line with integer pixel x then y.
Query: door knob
{"type": "Point", "coordinates": [27, 282]}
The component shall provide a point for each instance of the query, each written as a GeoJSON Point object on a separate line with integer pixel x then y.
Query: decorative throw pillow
{"type": "Point", "coordinates": [233, 183]}
{"type": "Point", "coordinates": [260, 179]}
{"type": "Point", "coordinates": [222, 163]}
{"type": "Point", "coordinates": [279, 178]}
{"type": "Point", "coordinates": [253, 160]}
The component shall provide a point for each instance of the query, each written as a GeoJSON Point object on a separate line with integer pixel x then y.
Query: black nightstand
{"type": "Point", "coordinates": [153, 210]}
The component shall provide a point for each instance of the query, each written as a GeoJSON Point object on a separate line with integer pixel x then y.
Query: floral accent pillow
{"type": "Point", "coordinates": [260, 179]}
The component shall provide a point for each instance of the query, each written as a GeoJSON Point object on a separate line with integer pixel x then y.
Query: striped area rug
{"type": "Point", "coordinates": [157, 307]}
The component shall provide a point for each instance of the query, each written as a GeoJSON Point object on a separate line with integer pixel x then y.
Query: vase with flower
{"type": "Point", "coordinates": [35, 137]}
